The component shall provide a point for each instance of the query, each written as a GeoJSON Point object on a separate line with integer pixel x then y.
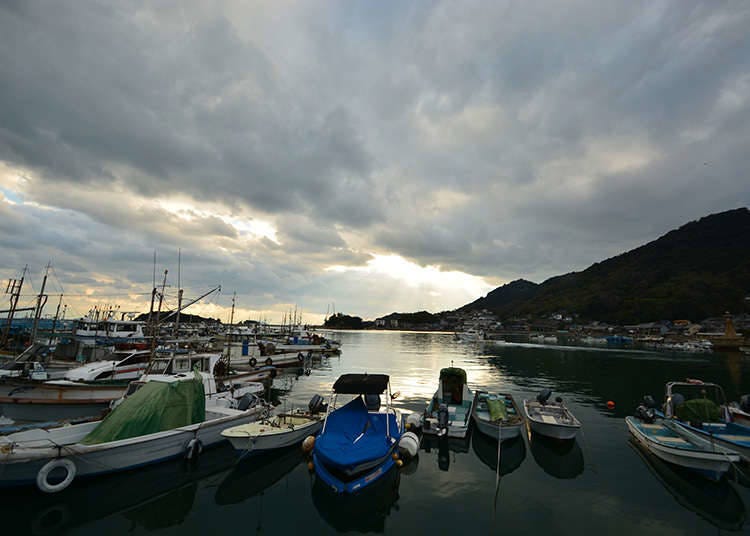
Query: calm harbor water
{"type": "Point", "coordinates": [599, 483]}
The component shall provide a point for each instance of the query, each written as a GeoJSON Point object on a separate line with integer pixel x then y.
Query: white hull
{"type": "Point", "coordinates": [22, 464]}
{"type": "Point", "coordinates": [554, 431]}
{"type": "Point", "coordinates": [559, 424]}
{"type": "Point", "coordinates": [711, 462]}
{"type": "Point", "coordinates": [454, 430]}
{"type": "Point", "coordinates": [498, 432]}
{"type": "Point", "coordinates": [263, 442]}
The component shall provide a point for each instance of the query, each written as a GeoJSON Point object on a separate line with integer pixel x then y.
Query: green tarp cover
{"type": "Point", "coordinates": [453, 372]}
{"type": "Point", "coordinates": [155, 407]}
{"type": "Point", "coordinates": [698, 410]}
{"type": "Point", "coordinates": [497, 409]}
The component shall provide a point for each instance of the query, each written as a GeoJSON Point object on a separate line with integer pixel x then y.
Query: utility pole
{"type": "Point", "coordinates": [14, 289]}
{"type": "Point", "coordinates": [41, 301]}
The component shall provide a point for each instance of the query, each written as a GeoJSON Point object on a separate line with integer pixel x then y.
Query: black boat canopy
{"type": "Point", "coordinates": [356, 384]}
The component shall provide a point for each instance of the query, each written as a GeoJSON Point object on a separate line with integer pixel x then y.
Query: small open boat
{"type": "Point", "coordinates": [700, 408]}
{"type": "Point", "coordinates": [358, 441]}
{"type": "Point", "coordinates": [667, 441]}
{"type": "Point", "coordinates": [550, 419]}
{"type": "Point", "coordinates": [449, 411]}
{"type": "Point", "coordinates": [497, 415]}
{"type": "Point", "coordinates": [277, 431]}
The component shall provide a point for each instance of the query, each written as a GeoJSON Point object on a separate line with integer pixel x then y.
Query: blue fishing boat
{"type": "Point", "coordinates": [700, 408]}
{"type": "Point", "coordinates": [357, 444]}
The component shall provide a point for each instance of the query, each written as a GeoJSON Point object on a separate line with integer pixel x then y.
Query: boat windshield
{"type": "Point", "coordinates": [158, 366]}
{"type": "Point", "coordinates": [695, 402]}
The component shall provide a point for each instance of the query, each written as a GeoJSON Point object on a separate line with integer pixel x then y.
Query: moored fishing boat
{"type": "Point", "coordinates": [550, 419]}
{"type": "Point", "coordinates": [357, 444]}
{"type": "Point", "coordinates": [497, 415]}
{"type": "Point", "coordinates": [449, 411]}
{"type": "Point", "coordinates": [163, 416]}
{"type": "Point", "coordinates": [276, 431]}
{"type": "Point", "coordinates": [123, 366]}
{"type": "Point", "coordinates": [667, 441]}
{"type": "Point", "coordinates": [700, 408]}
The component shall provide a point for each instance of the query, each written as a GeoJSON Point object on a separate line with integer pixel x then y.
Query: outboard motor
{"type": "Point", "coordinates": [317, 404]}
{"type": "Point", "coordinates": [372, 402]}
{"type": "Point", "coordinates": [442, 419]}
{"type": "Point", "coordinates": [544, 396]}
{"type": "Point", "coordinates": [745, 403]}
{"type": "Point", "coordinates": [645, 410]}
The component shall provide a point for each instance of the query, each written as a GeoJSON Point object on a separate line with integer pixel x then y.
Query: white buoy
{"type": "Point", "coordinates": [414, 420]}
{"type": "Point", "coordinates": [408, 445]}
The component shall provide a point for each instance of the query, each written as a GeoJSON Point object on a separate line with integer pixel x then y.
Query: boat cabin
{"type": "Point", "coordinates": [695, 401]}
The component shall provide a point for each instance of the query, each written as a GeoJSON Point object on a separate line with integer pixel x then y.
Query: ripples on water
{"type": "Point", "coordinates": [599, 483]}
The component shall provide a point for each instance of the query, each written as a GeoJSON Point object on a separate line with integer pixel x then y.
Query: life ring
{"type": "Point", "coordinates": [41, 477]}
{"type": "Point", "coordinates": [269, 361]}
{"type": "Point", "coordinates": [253, 361]}
{"type": "Point", "coordinates": [193, 449]}
{"type": "Point", "coordinates": [300, 357]}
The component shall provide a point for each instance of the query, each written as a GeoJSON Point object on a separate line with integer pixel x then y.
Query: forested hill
{"type": "Point", "coordinates": [699, 270]}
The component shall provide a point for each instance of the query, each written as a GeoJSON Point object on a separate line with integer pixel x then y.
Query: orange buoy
{"type": "Point", "coordinates": [400, 463]}
{"type": "Point", "coordinates": [394, 456]}
{"type": "Point", "coordinates": [610, 404]}
{"type": "Point", "coordinates": [310, 466]}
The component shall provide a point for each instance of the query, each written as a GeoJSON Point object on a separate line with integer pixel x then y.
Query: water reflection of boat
{"type": "Point", "coordinates": [255, 474]}
{"type": "Point", "coordinates": [718, 503]}
{"type": "Point", "coordinates": [364, 511]}
{"type": "Point", "coordinates": [512, 454]}
{"type": "Point", "coordinates": [444, 446]}
{"type": "Point", "coordinates": [157, 496]}
{"type": "Point", "coordinates": [561, 459]}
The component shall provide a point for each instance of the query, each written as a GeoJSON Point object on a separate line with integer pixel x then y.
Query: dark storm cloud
{"type": "Point", "coordinates": [501, 139]}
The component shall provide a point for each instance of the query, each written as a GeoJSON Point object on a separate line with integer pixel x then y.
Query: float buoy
{"type": "Point", "coordinates": [193, 449]}
{"type": "Point", "coordinates": [308, 443]}
{"type": "Point", "coordinates": [610, 404]}
{"type": "Point", "coordinates": [408, 445]}
{"type": "Point", "coordinates": [42, 477]}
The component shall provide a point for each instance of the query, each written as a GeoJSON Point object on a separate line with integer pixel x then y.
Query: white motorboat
{"type": "Point", "coordinates": [668, 441]}
{"type": "Point", "coordinates": [124, 365]}
{"type": "Point", "coordinates": [449, 411]}
{"type": "Point", "coordinates": [277, 431]}
{"type": "Point", "coordinates": [550, 419]}
{"type": "Point", "coordinates": [111, 329]}
{"type": "Point", "coordinates": [497, 415]}
{"type": "Point", "coordinates": [164, 416]}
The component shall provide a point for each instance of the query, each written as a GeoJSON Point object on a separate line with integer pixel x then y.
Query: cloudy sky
{"type": "Point", "coordinates": [378, 156]}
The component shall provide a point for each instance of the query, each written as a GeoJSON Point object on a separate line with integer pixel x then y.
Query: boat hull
{"type": "Point", "coordinates": [561, 423]}
{"type": "Point", "coordinates": [20, 466]}
{"type": "Point", "coordinates": [358, 482]}
{"type": "Point", "coordinates": [264, 443]}
{"type": "Point", "coordinates": [553, 431]}
{"type": "Point", "coordinates": [31, 412]}
{"type": "Point", "coordinates": [498, 432]}
{"type": "Point", "coordinates": [712, 465]}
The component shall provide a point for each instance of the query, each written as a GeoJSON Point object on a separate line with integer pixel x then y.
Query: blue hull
{"type": "Point", "coordinates": [355, 485]}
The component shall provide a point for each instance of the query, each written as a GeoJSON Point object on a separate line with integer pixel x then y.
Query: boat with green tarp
{"type": "Point", "coordinates": [164, 416]}
{"type": "Point", "coordinates": [449, 411]}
